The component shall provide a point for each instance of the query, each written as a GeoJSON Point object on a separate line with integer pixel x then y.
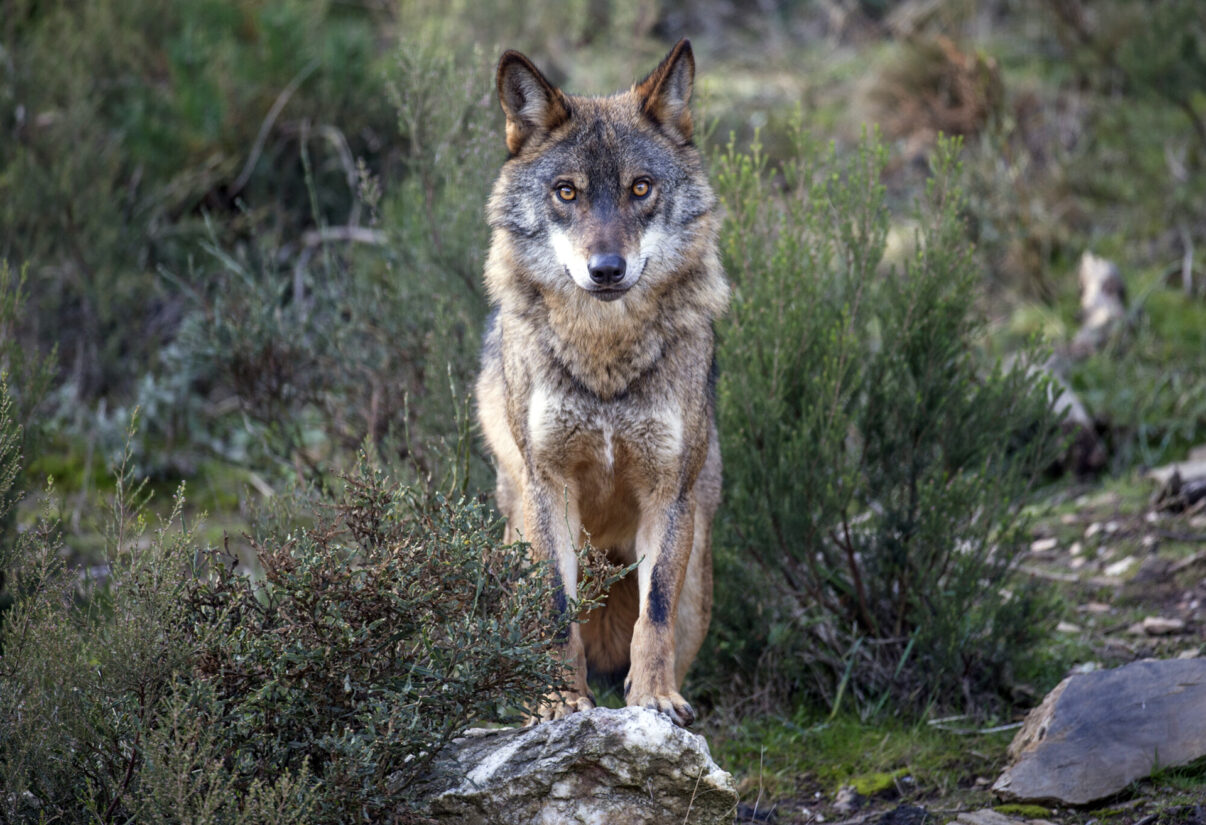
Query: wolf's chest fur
{"type": "Point", "coordinates": [609, 453]}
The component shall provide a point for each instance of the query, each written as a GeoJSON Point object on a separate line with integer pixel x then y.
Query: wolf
{"type": "Point", "coordinates": [597, 383]}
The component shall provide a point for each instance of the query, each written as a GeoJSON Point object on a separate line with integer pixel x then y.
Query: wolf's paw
{"type": "Point", "coordinates": [561, 705]}
{"type": "Point", "coordinates": [672, 704]}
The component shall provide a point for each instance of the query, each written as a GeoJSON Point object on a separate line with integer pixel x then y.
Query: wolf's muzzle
{"type": "Point", "coordinates": [606, 270]}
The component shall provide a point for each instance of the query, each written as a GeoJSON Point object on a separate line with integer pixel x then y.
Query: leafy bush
{"type": "Point", "coordinates": [874, 467]}
{"type": "Point", "coordinates": [315, 693]}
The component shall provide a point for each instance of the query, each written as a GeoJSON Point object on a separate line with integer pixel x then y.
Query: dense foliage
{"type": "Point", "coordinates": [169, 685]}
{"type": "Point", "coordinates": [133, 120]}
{"type": "Point", "coordinates": [875, 466]}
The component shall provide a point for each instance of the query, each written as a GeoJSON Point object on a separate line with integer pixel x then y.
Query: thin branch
{"type": "Point", "coordinates": [273, 113]}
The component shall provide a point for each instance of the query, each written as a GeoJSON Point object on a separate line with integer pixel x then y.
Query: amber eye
{"type": "Point", "coordinates": [641, 188]}
{"type": "Point", "coordinates": [566, 192]}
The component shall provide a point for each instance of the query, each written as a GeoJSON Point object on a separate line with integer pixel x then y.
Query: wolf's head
{"type": "Point", "coordinates": [601, 194]}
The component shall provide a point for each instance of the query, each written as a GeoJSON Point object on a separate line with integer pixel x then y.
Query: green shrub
{"type": "Point", "coordinates": [874, 467]}
{"type": "Point", "coordinates": [317, 692]}
{"type": "Point", "coordinates": [133, 119]}
{"type": "Point", "coordinates": [350, 340]}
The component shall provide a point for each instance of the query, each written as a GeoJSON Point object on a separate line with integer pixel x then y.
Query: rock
{"type": "Point", "coordinates": [1162, 626]}
{"type": "Point", "coordinates": [848, 800]}
{"type": "Point", "coordinates": [632, 766]}
{"type": "Point", "coordinates": [987, 816]}
{"type": "Point", "coordinates": [1044, 545]}
{"type": "Point", "coordinates": [1120, 567]}
{"type": "Point", "coordinates": [1098, 732]}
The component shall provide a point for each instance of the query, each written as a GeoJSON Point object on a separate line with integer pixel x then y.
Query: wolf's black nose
{"type": "Point", "coordinates": [606, 269]}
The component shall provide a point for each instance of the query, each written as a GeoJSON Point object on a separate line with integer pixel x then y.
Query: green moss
{"type": "Point", "coordinates": [1029, 811]}
{"type": "Point", "coordinates": [876, 783]}
{"type": "Point", "coordinates": [777, 751]}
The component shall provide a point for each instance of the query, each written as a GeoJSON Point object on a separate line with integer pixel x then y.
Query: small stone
{"type": "Point", "coordinates": [1077, 548]}
{"type": "Point", "coordinates": [1191, 653]}
{"type": "Point", "coordinates": [1093, 529]}
{"type": "Point", "coordinates": [1077, 562]}
{"type": "Point", "coordinates": [1111, 527]}
{"type": "Point", "coordinates": [1069, 518]}
{"type": "Point", "coordinates": [848, 800]}
{"type": "Point", "coordinates": [1044, 545]}
{"type": "Point", "coordinates": [1161, 626]}
{"type": "Point", "coordinates": [1119, 567]}
{"type": "Point", "coordinates": [1149, 542]}
{"type": "Point", "coordinates": [987, 816]}
{"type": "Point", "coordinates": [1067, 627]}
{"type": "Point", "coordinates": [1095, 608]}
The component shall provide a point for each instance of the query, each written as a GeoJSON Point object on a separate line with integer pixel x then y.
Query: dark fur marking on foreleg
{"type": "Point", "coordinates": [663, 570]}
{"type": "Point", "coordinates": [659, 604]}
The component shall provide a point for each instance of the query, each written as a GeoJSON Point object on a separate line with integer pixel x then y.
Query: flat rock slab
{"type": "Point", "coordinates": [1098, 732]}
{"type": "Point", "coordinates": [631, 766]}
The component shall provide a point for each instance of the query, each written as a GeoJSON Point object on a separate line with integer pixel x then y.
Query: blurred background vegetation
{"type": "Point", "coordinates": [261, 224]}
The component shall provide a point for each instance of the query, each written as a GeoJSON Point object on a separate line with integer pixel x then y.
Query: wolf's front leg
{"type": "Point", "coordinates": [550, 523]}
{"type": "Point", "coordinates": [663, 546]}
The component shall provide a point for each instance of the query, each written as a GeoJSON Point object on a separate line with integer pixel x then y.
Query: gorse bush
{"type": "Point", "coordinates": [174, 688]}
{"type": "Point", "coordinates": [874, 466]}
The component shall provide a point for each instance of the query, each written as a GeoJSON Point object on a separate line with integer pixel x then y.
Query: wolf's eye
{"type": "Point", "coordinates": [641, 188]}
{"type": "Point", "coordinates": [567, 192]}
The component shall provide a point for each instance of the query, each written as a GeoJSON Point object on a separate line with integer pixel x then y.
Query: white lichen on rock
{"type": "Point", "coordinates": [600, 766]}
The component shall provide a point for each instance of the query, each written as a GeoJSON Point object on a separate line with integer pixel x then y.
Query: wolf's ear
{"type": "Point", "coordinates": [531, 103]}
{"type": "Point", "coordinates": [667, 91]}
